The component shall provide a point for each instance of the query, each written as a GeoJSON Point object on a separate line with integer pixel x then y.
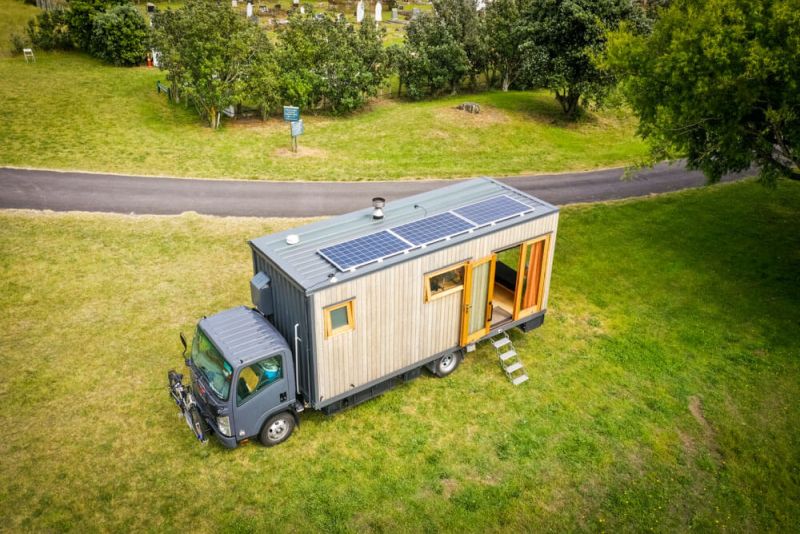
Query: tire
{"type": "Point", "coordinates": [447, 364]}
{"type": "Point", "coordinates": [277, 429]}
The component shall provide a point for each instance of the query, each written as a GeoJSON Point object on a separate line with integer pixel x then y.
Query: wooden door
{"type": "Point", "coordinates": [476, 316]}
{"type": "Point", "coordinates": [531, 277]}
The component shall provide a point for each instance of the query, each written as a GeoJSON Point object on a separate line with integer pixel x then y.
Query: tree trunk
{"type": "Point", "coordinates": [213, 117]}
{"type": "Point", "coordinates": [506, 81]}
{"type": "Point", "coordinates": [569, 102]}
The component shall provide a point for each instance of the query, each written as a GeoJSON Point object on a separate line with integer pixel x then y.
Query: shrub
{"type": "Point", "coordinates": [49, 31]}
{"type": "Point", "coordinates": [119, 36]}
{"type": "Point", "coordinates": [18, 42]}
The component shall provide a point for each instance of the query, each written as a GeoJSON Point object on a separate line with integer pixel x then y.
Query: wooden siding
{"type": "Point", "coordinates": [395, 327]}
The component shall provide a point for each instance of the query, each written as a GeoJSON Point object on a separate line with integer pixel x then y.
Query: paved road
{"type": "Point", "coordinates": [67, 191]}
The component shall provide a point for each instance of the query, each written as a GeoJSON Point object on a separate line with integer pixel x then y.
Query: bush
{"type": "Point", "coordinates": [329, 64]}
{"type": "Point", "coordinates": [18, 42]}
{"type": "Point", "coordinates": [119, 36]}
{"type": "Point", "coordinates": [432, 60]}
{"type": "Point", "coordinates": [49, 31]}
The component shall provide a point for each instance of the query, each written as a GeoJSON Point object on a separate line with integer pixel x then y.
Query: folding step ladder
{"type": "Point", "coordinates": [509, 359]}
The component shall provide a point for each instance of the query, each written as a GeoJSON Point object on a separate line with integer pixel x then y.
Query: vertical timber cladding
{"type": "Point", "coordinates": [395, 327]}
{"type": "Point", "coordinates": [291, 307]}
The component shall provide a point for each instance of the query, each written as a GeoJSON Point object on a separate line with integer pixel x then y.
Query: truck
{"type": "Point", "coordinates": [349, 307]}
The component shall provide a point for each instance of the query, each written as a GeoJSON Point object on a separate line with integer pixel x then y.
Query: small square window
{"type": "Point", "coordinates": [444, 282]}
{"type": "Point", "coordinates": [339, 318]}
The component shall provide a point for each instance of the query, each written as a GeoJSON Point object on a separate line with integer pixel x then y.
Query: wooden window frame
{"type": "Point", "coordinates": [427, 281]}
{"type": "Point", "coordinates": [351, 318]}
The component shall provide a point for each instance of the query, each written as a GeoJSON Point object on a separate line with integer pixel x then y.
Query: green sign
{"type": "Point", "coordinates": [291, 113]}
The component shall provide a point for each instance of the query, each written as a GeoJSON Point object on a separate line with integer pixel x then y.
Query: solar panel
{"type": "Point", "coordinates": [493, 210]}
{"type": "Point", "coordinates": [432, 228]}
{"type": "Point", "coordinates": [363, 250]}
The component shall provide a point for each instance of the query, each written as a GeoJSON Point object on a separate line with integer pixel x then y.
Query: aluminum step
{"type": "Point", "coordinates": [501, 342]}
{"type": "Point", "coordinates": [513, 367]}
{"type": "Point", "coordinates": [519, 380]}
{"type": "Point", "coordinates": [507, 355]}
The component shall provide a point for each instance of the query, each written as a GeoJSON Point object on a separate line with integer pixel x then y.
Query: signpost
{"type": "Point", "coordinates": [291, 114]}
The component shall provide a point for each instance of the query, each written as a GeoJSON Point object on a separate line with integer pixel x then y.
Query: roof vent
{"type": "Point", "coordinates": [292, 239]}
{"type": "Point", "coordinates": [377, 204]}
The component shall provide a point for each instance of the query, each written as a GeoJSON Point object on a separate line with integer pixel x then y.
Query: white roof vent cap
{"type": "Point", "coordinates": [292, 239]}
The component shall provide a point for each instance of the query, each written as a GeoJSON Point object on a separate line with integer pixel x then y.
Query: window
{"type": "Point", "coordinates": [256, 377]}
{"type": "Point", "coordinates": [339, 318]}
{"type": "Point", "coordinates": [444, 282]}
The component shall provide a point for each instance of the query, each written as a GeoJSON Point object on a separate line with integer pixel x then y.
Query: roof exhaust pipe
{"type": "Point", "coordinates": [377, 204]}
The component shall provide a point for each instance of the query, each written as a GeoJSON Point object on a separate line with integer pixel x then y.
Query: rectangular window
{"type": "Point", "coordinates": [444, 282]}
{"type": "Point", "coordinates": [339, 318]}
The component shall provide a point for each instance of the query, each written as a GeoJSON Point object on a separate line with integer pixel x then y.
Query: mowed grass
{"type": "Point", "coordinates": [663, 391]}
{"type": "Point", "coordinates": [70, 111]}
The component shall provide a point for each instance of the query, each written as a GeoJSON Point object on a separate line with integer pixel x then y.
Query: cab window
{"type": "Point", "coordinates": [257, 376]}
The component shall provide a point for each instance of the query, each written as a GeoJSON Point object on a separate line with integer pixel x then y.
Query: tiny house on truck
{"type": "Point", "coordinates": [348, 307]}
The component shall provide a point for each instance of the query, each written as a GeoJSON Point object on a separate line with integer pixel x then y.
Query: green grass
{"type": "Point", "coordinates": [14, 16]}
{"type": "Point", "coordinates": [663, 391]}
{"type": "Point", "coordinates": [70, 111]}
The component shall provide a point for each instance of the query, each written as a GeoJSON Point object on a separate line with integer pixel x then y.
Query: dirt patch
{"type": "Point", "coordinates": [709, 435]}
{"type": "Point", "coordinates": [688, 443]}
{"type": "Point", "coordinates": [449, 487]}
{"type": "Point", "coordinates": [302, 152]}
{"type": "Point", "coordinates": [487, 117]}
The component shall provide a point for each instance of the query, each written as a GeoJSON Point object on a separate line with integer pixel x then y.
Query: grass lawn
{"type": "Point", "coordinates": [663, 395]}
{"type": "Point", "coordinates": [70, 111]}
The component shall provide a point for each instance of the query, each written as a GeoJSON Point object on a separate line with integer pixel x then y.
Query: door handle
{"type": "Point", "coordinates": [283, 396]}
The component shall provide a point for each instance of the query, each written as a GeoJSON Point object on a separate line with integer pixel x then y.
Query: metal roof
{"type": "Point", "coordinates": [312, 272]}
{"type": "Point", "coordinates": [243, 335]}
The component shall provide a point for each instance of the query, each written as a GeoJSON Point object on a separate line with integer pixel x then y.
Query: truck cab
{"type": "Point", "coordinates": [242, 380]}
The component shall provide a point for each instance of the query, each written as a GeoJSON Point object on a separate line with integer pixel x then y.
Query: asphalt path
{"type": "Point", "coordinates": [80, 191]}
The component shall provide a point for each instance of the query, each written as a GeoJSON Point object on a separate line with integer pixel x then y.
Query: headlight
{"type": "Point", "coordinates": [224, 424]}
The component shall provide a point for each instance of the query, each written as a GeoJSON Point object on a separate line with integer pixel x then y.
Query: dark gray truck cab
{"type": "Point", "coordinates": [253, 386]}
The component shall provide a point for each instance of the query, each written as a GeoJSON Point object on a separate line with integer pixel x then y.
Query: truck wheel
{"type": "Point", "coordinates": [447, 364]}
{"type": "Point", "coordinates": [277, 429]}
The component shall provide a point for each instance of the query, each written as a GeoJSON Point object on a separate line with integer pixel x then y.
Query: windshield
{"type": "Point", "coordinates": [212, 365]}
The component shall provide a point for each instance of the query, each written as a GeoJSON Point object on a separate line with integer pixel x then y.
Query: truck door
{"type": "Point", "coordinates": [261, 388]}
{"type": "Point", "coordinates": [477, 314]}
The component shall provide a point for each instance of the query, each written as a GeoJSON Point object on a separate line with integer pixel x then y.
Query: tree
{"type": "Point", "coordinates": [718, 81]}
{"type": "Point", "coordinates": [262, 87]}
{"type": "Point", "coordinates": [504, 35]}
{"type": "Point", "coordinates": [466, 24]}
{"type": "Point", "coordinates": [213, 49]}
{"type": "Point", "coordinates": [119, 36]}
{"type": "Point", "coordinates": [431, 60]}
{"type": "Point", "coordinates": [562, 37]}
{"type": "Point", "coordinates": [328, 64]}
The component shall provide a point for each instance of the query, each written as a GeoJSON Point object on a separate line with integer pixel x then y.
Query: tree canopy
{"type": "Point", "coordinates": [562, 39]}
{"type": "Point", "coordinates": [717, 82]}
{"type": "Point", "coordinates": [214, 49]}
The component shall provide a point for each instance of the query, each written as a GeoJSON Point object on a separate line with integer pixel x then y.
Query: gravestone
{"type": "Point", "coordinates": [415, 13]}
{"type": "Point", "coordinates": [151, 8]}
{"type": "Point", "coordinates": [234, 3]}
{"type": "Point", "coordinates": [249, 10]}
{"type": "Point", "coordinates": [360, 11]}
{"type": "Point", "coordinates": [378, 12]}
{"type": "Point", "coordinates": [394, 14]}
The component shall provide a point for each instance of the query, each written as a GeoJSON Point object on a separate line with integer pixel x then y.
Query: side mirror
{"type": "Point", "coordinates": [183, 342]}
